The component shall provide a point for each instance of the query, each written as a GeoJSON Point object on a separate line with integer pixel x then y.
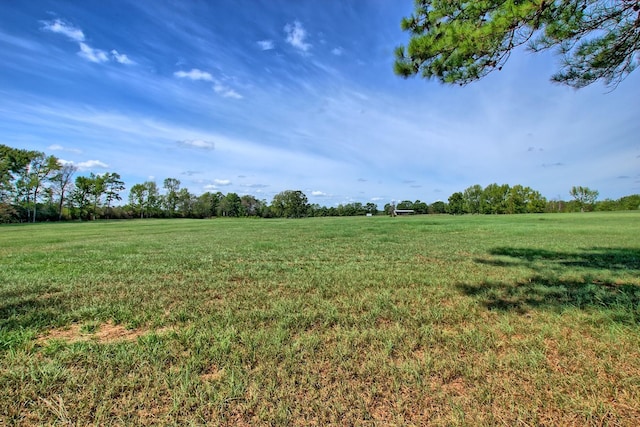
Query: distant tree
{"type": "Point", "coordinates": [629, 202]}
{"type": "Point", "coordinates": [290, 204]}
{"type": "Point", "coordinates": [405, 204]}
{"type": "Point", "coordinates": [438, 207]}
{"type": "Point", "coordinates": [516, 202]}
{"type": "Point", "coordinates": [584, 197]}
{"type": "Point", "coordinates": [61, 183]}
{"type": "Point", "coordinates": [420, 207]}
{"type": "Point", "coordinates": [144, 198]}
{"type": "Point", "coordinates": [206, 206]}
{"type": "Point", "coordinates": [13, 166]}
{"type": "Point", "coordinates": [230, 205]}
{"type": "Point", "coordinates": [607, 205]}
{"type": "Point", "coordinates": [170, 199]}
{"type": "Point", "coordinates": [473, 199]}
{"type": "Point", "coordinates": [13, 163]}
{"type": "Point", "coordinates": [351, 209]}
{"type": "Point", "coordinates": [250, 205]}
{"type": "Point", "coordinates": [34, 178]}
{"type": "Point", "coordinates": [185, 203]}
{"type": "Point", "coordinates": [389, 208]}
{"type": "Point", "coordinates": [81, 195]}
{"type": "Point", "coordinates": [456, 204]}
{"type": "Point", "coordinates": [98, 188]}
{"type": "Point", "coordinates": [460, 41]}
{"type": "Point", "coordinates": [113, 186]}
{"type": "Point", "coordinates": [536, 202]}
{"type": "Point", "coordinates": [494, 199]}
{"type": "Point", "coordinates": [371, 208]}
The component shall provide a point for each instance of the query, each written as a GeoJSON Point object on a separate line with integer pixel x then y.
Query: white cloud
{"type": "Point", "coordinates": [121, 57]}
{"type": "Point", "coordinates": [194, 74]}
{"type": "Point", "coordinates": [89, 164]}
{"type": "Point", "coordinates": [296, 35]}
{"type": "Point", "coordinates": [218, 87]}
{"type": "Point", "coordinates": [91, 54]}
{"type": "Point", "coordinates": [217, 183]}
{"type": "Point", "coordinates": [58, 147]}
{"type": "Point", "coordinates": [338, 51]}
{"type": "Point", "coordinates": [319, 194]}
{"type": "Point", "coordinates": [61, 27]}
{"type": "Point", "coordinates": [266, 44]}
{"type": "Point", "coordinates": [226, 92]}
{"type": "Point", "coordinates": [198, 143]}
{"type": "Point", "coordinates": [87, 52]}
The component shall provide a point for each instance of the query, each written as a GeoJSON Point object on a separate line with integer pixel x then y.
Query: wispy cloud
{"type": "Point", "coordinates": [91, 54]}
{"type": "Point", "coordinates": [296, 35]}
{"type": "Point", "coordinates": [121, 57]}
{"type": "Point", "coordinates": [87, 52]}
{"type": "Point", "coordinates": [266, 44]}
{"type": "Point", "coordinates": [217, 184]}
{"type": "Point", "coordinates": [61, 27]}
{"type": "Point", "coordinates": [197, 143]}
{"type": "Point", "coordinates": [226, 91]}
{"type": "Point", "coordinates": [86, 165]}
{"type": "Point", "coordinates": [337, 51]}
{"type": "Point", "coordinates": [194, 74]}
{"type": "Point", "coordinates": [58, 147]}
{"type": "Point", "coordinates": [319, 194]}
{"type": "Point", "coordinates": [218, 87]}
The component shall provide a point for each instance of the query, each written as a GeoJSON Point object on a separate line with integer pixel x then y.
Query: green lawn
{"type": "Point", "coordinates": [439, 320]}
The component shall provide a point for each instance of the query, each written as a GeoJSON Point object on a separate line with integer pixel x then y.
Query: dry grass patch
{"type": "Point", "coordinates": [104, 333]}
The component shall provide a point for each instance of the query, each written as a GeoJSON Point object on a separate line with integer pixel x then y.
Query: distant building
{"type": "Point", "coordinates": [403, 212]}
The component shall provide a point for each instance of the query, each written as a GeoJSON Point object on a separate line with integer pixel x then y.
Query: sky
{"type": "Point", "coordinates": [257, 97]}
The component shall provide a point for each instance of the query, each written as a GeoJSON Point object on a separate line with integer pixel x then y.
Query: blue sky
{"type": "Point", "coordinates": [257, 97]}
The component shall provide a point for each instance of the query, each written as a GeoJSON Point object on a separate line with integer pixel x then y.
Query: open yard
{"type": "Point", "coordinates": [425, 320]}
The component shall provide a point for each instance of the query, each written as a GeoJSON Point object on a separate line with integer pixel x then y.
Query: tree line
{"type": "Point", "coordinates": [35, 186]}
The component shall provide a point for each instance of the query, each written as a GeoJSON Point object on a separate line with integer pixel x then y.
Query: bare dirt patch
{"type": "Point", "coordinates": [104, 333]}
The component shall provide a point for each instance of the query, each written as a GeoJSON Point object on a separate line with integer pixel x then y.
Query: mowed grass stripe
{"type": "Point", "coordinates": [439, 320]}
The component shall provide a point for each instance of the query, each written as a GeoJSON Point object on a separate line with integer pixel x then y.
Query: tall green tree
{"type": "Point", "coordinates": [81, 195]}
{"type": "Point", "coordinates": [35, 177]}
{"type": "Point", "coordinates": [438, 207]}
{"type": "Point", "coordinates": [206, 205]}
{"type": "Point", "coordinates": [185, 203]}
{"type": "Point", "coordinates": [170, 199]}
{"type": "Point", "coordinates": [494, 199]}
{"type": "Point", "coordinates": [456, 204]}
{"type": "Point", "coordinates": [62, 183]}
{"type": "Point", "coordinates": [13, 166]}
{"type": "Point", "coordinates": [230, 205]}
{"type": "Point", "coordinates": [290, 204]}
{"type": "Point", "coordinates": [536, 202]}
{"type": "Point", "coordinates": [473, 199]}
{"type": "Point", "coordinates": [250, 205]}
{"type": "Point", "coordinates": [460, 41]}
{"type": "Point", "coordinates": [144, 198]}
{"type": "Point", "coordinates": [113, 186]}
{"type": "Point", "coordinates": [584, 197]}
{"type": "Point", "coordinates": [371, 208]}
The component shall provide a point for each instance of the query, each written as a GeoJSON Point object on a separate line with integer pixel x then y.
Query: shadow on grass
{"type": "Point", "coordinates": [23, 311]}
{"type": "Point", "coordinates": [596, 258]}
{"type": "Point", "coordinates": [595, 282]}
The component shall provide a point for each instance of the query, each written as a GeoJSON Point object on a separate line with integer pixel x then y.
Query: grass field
{"type": "Point", "coordinates": [426, 320]}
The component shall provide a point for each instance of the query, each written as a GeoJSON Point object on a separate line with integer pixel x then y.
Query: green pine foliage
{"type": "Point", "coordinates": [462, 41]}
